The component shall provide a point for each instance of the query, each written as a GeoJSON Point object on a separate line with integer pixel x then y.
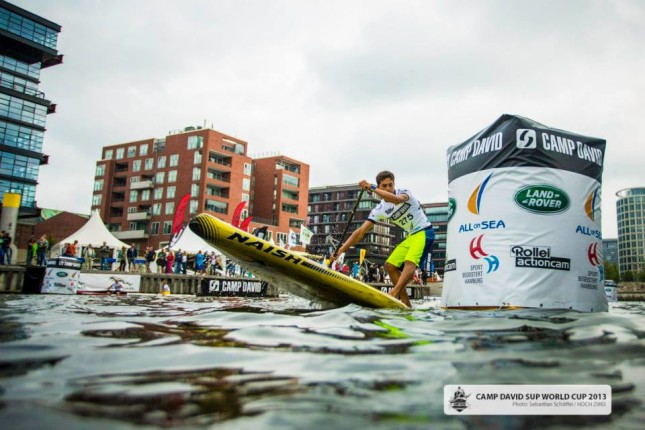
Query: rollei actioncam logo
{"type": "Point", "coordinates": [538, 257]}
{"type": "Point", "coordinates": [592, 204]}
{"type": "Point", "coordinates": [526, 138]}
{"type": "Point", "coordinates": [459, 400]}
{"type": "Point", "coordinates": [542, 199]}
{"type": "Point", "coordinates": [592, 253]}
{"type": "Point", "coordinates": [477, 252]}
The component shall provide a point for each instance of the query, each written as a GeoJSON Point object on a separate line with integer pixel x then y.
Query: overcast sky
{"type": "Point", "coordinates": [349, 87]}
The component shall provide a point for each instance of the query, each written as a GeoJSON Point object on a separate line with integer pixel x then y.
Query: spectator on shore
{"type": "Point", "coordinates": [200, 258]}
{"type": "Point", "coordinates": [121, 257]}
{"type": "Point", "coordinates": [161, 261]}
{"type": "Point", "coordinates": [170, 261]}
{"type": "Point", "coordinates": [32, 248]}
{"type": "Point", "coordinates": [104, 255]}
{"type": "Point", "coordinates": [88, 254]}
{"type": "Point", "coordinates": [5, 248]}
{"type": "Point", "coordinates": [131, 254]}
{"type": "Point", "coordinates": [150, 257]}
{"type": "Point", "coordinates": [43, 247]}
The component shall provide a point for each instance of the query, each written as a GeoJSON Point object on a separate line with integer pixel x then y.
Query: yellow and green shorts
{"type": "Point", "coordinates": [415, 248]}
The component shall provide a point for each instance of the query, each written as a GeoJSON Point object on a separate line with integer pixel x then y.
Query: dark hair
{"type": "Point", "coordinates": [384, 175]}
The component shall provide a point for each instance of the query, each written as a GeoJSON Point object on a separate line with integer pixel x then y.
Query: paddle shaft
{"type": "Point", "coordinates": [351, 218]}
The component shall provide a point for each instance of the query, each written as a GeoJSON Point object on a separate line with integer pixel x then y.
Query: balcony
{"type": "Point", "coordinates": [141, 185]}
{"type": "Point", "coordinates": [130, 234]}
{"type": "Point", "coordinates": [139, 216]}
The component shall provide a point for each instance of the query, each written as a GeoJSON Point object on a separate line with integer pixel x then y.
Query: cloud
{"type": "Point", "coordinates": [348, 87]}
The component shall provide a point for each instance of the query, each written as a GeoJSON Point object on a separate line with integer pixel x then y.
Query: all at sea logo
{"type": "Point", "coordinates": [542, 199]}
{"type": "Point", "coordinates": [474, 207]}
{"type": "Point", "coordinates": [592, 253]}
{"type": "Point", "coordinates": [459, 400]}
{"type": "Point", "coordinates": [525, 138]}
{"type": "Point", "coordinates": [475, 200]}
{"type": "Point", "coordinates": [592, 204]}
{"type": "Point", "coordinates": [452, 207]}
{"type": "Point", "coordinates": [477, 252]}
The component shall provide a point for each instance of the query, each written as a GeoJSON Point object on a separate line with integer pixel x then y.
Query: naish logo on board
{"type": "Point", "coordinates": [542, 199]}
{"type": "Point", "coordinates": [592, 204]}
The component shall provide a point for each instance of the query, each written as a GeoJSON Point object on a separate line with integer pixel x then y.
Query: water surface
{"type": "Point", "coordinates": [145, 361]}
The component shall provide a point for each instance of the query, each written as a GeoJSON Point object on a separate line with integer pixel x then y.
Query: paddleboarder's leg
{"type": "Point", "coordinates": [403, 278]}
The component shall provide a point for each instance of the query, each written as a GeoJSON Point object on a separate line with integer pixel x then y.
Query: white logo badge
{"type": "Point", "coordinates": [526, 138]}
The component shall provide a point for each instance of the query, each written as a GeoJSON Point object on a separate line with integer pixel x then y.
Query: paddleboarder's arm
{"type": "Point", "coordinates": [353, 239]}
{"type": "Point", "coordinates": [385, 191]}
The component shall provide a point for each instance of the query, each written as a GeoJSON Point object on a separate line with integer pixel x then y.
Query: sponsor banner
{"type": "Point", "coordinates": [527, 399]}
{"type": "Point", "coordinates": [98, 283]}
{"type": "Point", "coordinates": [514, 141]}
{"type": "Point", "coordinates": [526, 237]}
{"type": "Point", "coordinates": [60, 280]}
{"type": "Point", "coordinates": [234, 287]}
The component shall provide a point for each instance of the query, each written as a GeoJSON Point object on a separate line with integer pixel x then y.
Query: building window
{"type": "Point", "coordinates": [145, 195]}
{"type": "Point", "coordinates": [161, 162]}
{"type": "Point", "coordinates": [172, 176]}
{"type": "Point", "coordinates": [100, 170]}
{"type": "Point", "coordinates": [245, 197]}
{"type": "Point", "coordinates": [156, 209]}
{"type": "Point", "coordinates": [134, 179]}
{"type": "Point", "coordinates": [134, 195]}
{"type": "Point", "coordinates": [96, 200]}
{"type": "Point", "coordinates": [197, 174]}
{"type": "Point", "coordinates": [174, 160]}
{"type": "Point", "coordinates": [194, 205]}
{"type": "Point", "coordinates": [194, 190]}
{"type": "Point", "coordinates": [143, 149]}
{"type": "Point", "coordinates": [197, 157]}
{"type": "Point", "coordinates": [290, 180]}
{"type": "Point", "coordinates": [195, 142]}
{"type": "Point", "coordinates": [149, 164]}
{"type": "Point", "coordinates": [119, 153]}
{"type": "Point", "coordinates": [108, 154]}
{"type": "Point", "coordinates": [167, 227]}
{"type": "Point", "coordinates": [158, 194]}
{"type": "Point", "coordinates": [170, 192]}
{"type": "Point", "coordinates": [98, 185]}
{"type": "Point", "coordinates": [136, 165]}
{"type": "Point", "coordinates": [132, 209]}
{"type": "Point", "coordinates": [246, 184]}
{"type": "Point", "coordinates": [248, 169]}
{"type": "Point", "coordinates": [170, 208]}
{"type": "Point", "coordinates": [132, 151]}
{"type": "Point", "coordinates": [215, 206]}
{"type": "Point", "coordinates": [159, 177]}
{"type": "Point", "coordinates": [154, 228]}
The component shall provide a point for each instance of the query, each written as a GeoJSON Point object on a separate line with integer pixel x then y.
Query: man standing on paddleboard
{"type": "Point", "coordinates": [401, 208]}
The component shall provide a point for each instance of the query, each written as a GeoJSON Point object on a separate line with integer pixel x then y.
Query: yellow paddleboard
{"type": "Point", "coordinates": [291, 272]}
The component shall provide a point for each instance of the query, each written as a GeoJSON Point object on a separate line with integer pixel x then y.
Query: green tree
{"type": "Point", "coordinates": [641, 274]}
{"type": "Point", "coordinates": [628, 276]}
{"type": "Point", "coordinates": [611, 271]}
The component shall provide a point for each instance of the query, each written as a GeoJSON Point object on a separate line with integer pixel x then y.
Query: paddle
{"type": "Point", "coordinates": [351, 217]}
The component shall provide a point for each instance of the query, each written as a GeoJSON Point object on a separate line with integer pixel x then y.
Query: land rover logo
{"type": "Point", "coordinates": [61, 274]}
{"type": "Point", "coordinates": [452, 207]}
{"type": "Point", "coordinates": [542, 199]}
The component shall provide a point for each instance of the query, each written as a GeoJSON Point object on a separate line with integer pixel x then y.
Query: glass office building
{"type": "Point", "coordinates": [27, 45]}
{"type": "Point", "coordinates": [630, 209]}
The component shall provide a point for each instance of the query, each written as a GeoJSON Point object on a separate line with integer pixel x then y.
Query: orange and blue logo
{"type": "Point", "coordinates": [592, 204]}
{"type": "Point", "coordinates": [475, 200]}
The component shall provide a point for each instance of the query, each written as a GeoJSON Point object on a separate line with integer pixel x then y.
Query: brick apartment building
{"type": "Point", "coordinates": [139, 184]}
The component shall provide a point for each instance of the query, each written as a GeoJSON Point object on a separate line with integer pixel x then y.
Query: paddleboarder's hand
{"type": "Point", "coordinates": [365, 185]}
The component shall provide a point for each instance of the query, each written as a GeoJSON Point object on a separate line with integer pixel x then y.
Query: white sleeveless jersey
{"type": "Point", "coordinates": [408, 215]}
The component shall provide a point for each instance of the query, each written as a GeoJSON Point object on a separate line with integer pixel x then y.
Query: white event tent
{"type": "Point", "coordinates": [94, 233]}
{"type": "Point", "coordinates": [190, 242]}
